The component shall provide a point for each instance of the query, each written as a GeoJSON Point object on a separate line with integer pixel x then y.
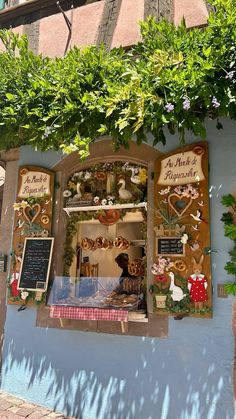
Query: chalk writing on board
{"type": "Point", "coordinates": [36, 262]}
{"type": "Point", "coordinates": [170, 246]}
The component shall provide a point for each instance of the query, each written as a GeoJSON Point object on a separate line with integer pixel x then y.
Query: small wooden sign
{"type": "Point", "coordinates": [35, 266]}
{"type": "Point", "coordinates": [182, 168]}
{"type": "Point", "coordinates": [170, 246]}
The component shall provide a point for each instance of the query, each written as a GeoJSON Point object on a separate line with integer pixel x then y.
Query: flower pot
{"type": "Point", "coordinates": [160, 301]}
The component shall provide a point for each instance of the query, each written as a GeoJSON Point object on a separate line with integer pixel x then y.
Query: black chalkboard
{"type": "Point", "coordinates": [170, 246]}
{"type": "Point", "coordinates": [35, 266]}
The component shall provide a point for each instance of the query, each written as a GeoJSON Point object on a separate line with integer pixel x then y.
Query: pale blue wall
{"type": "Point", "coordinates": [100, 376]}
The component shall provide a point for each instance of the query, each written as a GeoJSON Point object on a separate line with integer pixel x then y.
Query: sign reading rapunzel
{"type": "Point", "coordinates": [33, 219]}
{"type": "Point", "coordinates": [182, 236]}
{"type": "Point", "coordinates": [33, 183]}
{"type": "Point", "coordinates": [182, 168]}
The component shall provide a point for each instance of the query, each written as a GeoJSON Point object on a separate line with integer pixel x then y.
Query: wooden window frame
{"type": "Point", "coordinates": [101, 151]}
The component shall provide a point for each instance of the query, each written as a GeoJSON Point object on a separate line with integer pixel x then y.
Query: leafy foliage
{"type": "Point", "coordinates": [174, 78]}
{"type": "Point", "coordinates": [230, 288]}
{"type": "Point", "coordinates": [230, 231]}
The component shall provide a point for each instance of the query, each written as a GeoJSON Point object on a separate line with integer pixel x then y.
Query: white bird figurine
{"type": "Point", "coordinates": [124, 193]}
{"type": "Point", "coordinates": [177, 292]}
{"type": "Point", "coordinates": [79, 193]}
{"type": "Point", "coordinates": [135, 177]}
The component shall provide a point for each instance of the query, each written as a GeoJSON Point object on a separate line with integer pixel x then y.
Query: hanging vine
{"type": "Point", "coordinates": [175, 79]}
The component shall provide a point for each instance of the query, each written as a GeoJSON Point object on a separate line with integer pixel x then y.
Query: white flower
{"type": "Point", "coordinates": [66, 193]}
{"type": "Point", "coordinates": [47, 132]}
{"type": "Point", "coordinates": [96, 199]}
{"type": "Point", "coordinates": [24, 295]}
{"type": "Point", "coordinates": [87, 175]}
{"type": "Point", "coordinates": [24, 204]}
{"type": "Point", "coordinates": [126, 166]}
{"type": "Point", "coordinates": [104, 202]}
{"type": "Point", "coordinates": [184, 238]}
{"type": "Point", "coordinates": [16, 206]}
{"type": "Point", "coordinates": [110, 202]}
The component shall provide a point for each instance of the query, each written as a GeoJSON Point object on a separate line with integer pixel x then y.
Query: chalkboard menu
{"type": "Point", "coordinates": [35, 267]}
{"type": "Point", "coordinates": [170, 246]}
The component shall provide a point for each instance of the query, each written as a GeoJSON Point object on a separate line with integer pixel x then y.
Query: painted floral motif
{"type": "Point", "coordinates": [162, 265]}
{"type": "Point", "coordinates": [165, 191]}
{"type": "Point", "coordinates": [67, 193]}
{"type": "Point", "coordinates": [18, 205]}
{"type": "Point", "coordinates": [188, 191]}
{"type": "Point", "coordinates": [184, 238]}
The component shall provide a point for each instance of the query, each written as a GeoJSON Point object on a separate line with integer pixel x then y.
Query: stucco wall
{"type": "Point", "coordinates": [98, 376]}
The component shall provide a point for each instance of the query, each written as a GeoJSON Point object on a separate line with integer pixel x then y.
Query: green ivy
{"type": "Point", "coordinates": [230, 231]}
{"type": "Point", "coordinates": [174, 79]}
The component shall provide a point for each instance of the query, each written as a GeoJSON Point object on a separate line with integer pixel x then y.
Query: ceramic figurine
{"type": "Point", "coordinates": [124, 193]}
{"type": "Point", "coordinates": [135, 177]}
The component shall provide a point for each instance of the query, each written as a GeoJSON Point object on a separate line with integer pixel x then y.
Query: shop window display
{"type": "Point", "coordinates": [106, 204]}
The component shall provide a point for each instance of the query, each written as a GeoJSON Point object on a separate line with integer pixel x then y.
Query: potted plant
{"type": "Point", "coordinates": [159, 287]}
{"type": "Point", "coordinates": [229, 220]}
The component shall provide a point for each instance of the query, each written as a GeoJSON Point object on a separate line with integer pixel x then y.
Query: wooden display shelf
{"type": "Point", "coordinates": [138, 243]}
{"type": "Point", "coordinates": [69, 210]}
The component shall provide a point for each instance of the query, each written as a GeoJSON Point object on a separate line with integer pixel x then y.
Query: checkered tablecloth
{"type": "Point", "coordinates": [85, 313]}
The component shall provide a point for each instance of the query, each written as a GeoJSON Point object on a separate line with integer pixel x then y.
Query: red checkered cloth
{"type": "Point", "coordinates": [86, 313]}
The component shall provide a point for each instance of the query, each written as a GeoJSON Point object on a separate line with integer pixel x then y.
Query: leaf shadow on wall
{"type": "Point", "coordinates": [99, 376]}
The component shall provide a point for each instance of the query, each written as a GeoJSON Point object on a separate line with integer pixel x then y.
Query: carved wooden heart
{"type": "Point", "coordinates": [31, 212]}
{"type": "Point", "coordinates": [174, 201]}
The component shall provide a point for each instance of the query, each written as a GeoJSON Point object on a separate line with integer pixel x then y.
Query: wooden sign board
{"type": "Point", "coordinates": [35, 266]}
{"type": "Point", "coordinates": [181, 226]}
{"type": "Point", "coordinates": [33, 219]}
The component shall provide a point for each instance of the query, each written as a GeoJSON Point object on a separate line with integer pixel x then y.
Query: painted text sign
{"type": "Point", "coordinates": [34, 184]}
{"type": "Point", "coordinates": [181, 169]}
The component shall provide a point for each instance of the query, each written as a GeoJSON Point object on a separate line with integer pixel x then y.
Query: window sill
{"type": "Point", "coordinates": [156, 326]}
